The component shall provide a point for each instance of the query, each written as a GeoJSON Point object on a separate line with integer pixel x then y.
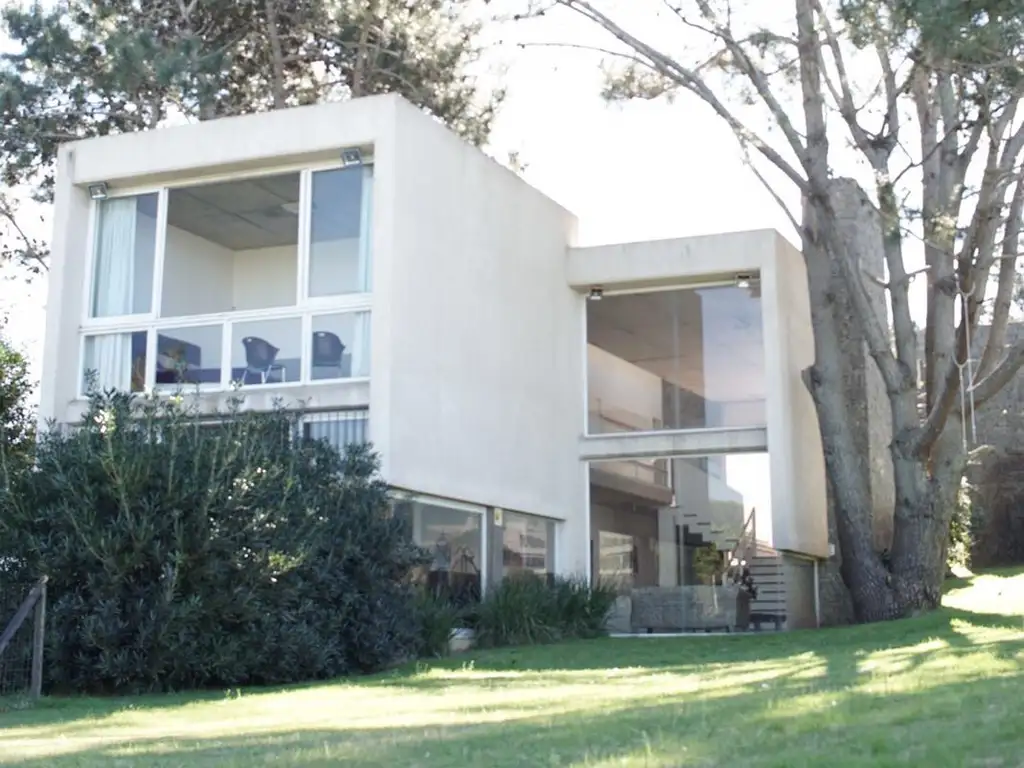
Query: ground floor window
{"type": "Point", "coordinates": [522, 543]}
{"type": "Point", "coordinates": [452, 535]}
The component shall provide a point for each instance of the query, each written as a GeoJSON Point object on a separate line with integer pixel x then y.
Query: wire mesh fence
{"type": "Point", "coordinates": [16, 657]}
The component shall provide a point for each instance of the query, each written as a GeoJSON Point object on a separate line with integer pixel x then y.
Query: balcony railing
{"type": "Point", "coordinates": [340, 428]}
{"type": "Point", "coordinates": [274, 347]}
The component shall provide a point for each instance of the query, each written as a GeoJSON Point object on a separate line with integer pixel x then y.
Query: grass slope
{"type": "Point", "coordinates": [940, 690]}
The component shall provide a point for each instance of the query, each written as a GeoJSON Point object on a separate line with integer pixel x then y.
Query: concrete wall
{"type": "Point", "coordinates": [479, 393]}
{"type": "Point", "coordinates": [198, 276]}
{"type": "Point", "coordinates": [798, 463]}
{"type": "Point", "coordinates": [264, 277]}
{"type": "Point", "coordinates": [799, 584]}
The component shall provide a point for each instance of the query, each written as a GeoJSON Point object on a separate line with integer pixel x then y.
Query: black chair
{"type": "Point", "coordinates": [260, 357]}
{"type": "Point", "coordinates": [328, 350]}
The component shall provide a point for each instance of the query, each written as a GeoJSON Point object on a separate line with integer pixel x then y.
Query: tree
{"type": "Point", "coordinates": [868, 73]}
{"type": "Point", "coordinates": [17, 422]}
{"type": "Point", "coordinates": [88, 68]}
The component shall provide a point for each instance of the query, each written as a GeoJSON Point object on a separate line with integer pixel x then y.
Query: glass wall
{"type": "Point", "coordinates": [231, 246]}
{"type": "Point", "coordinates": [228, 306]}
{"type": "Point", "coordinates": [453, 537]}
{"type": "Point", "coordinates": [114, 361]}
{"type": "Point", "coordinates": [190, 355]}
{"type": "Point", "coordinates": [521, 543]}
{"type": "Point", "coordinates": [266, 351]}
{"type": "Point", "coordinates": [718, 519]}
{"type": "Point", "coordinates": [339, 253]}
{"type": "Point", "coordinates": [686, 358]}
{"type": "Point", "coordinates": [125, 249]}
{"type": "Point", "coordinates": [341, 346]}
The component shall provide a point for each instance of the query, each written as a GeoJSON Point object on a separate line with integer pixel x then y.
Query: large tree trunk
{"type": "Point", "coordinates": [879, 496]}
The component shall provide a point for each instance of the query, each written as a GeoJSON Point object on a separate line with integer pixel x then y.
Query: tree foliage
{"type": "Point", "coordinates": [84, 68]}
{"type": "Point", "coordinates": [186, 554]}
{"type": "Point", "coordinates": [17, 420]}
{"type": "Point", "coordinates": [925, 97]}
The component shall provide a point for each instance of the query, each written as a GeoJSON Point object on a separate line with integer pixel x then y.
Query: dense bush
{"type": "Point", "coordinates": [182, 554]}
{"type": "Point", "coordinates": [525, 609]}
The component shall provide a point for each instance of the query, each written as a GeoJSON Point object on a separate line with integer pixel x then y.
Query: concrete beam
{"type": "Point", "coordinates": [654, 445]}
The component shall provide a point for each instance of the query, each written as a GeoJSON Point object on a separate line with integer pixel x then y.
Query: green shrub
{"type": "Point", "coordinates": [961, 530]}
{"type": "Point", "coordinates": [526, 610]}
{"type": "Point", "coordinates": [184, 555]}
{"type": "Point", "coordinates": [437, 618]}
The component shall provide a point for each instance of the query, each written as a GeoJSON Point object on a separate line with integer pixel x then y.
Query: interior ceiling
{"type": "Point", "coordinates": [702, 339]}
{"type": "Point", "coordinates": [239, 215]}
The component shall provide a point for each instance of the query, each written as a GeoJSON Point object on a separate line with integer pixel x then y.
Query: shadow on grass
{"type": "Point", "coordinates": [958, 724]}
{"type": "Point", "coordinates": [759, 716]}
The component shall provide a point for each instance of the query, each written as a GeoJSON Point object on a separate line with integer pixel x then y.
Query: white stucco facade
{"type": "Point", "coordinates": [477, 298]}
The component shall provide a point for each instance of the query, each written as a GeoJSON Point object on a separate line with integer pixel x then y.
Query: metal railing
{"type": "Point", "coordinates": [340, 428]}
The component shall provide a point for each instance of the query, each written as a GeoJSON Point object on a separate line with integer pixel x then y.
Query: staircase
{"type": "Point", "coordinates": [768, 609]}
{"type": "Point", "coordinates": [767, 570]}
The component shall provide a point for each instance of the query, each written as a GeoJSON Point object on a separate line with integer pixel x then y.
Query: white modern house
{"type": "Point", "coordinates": [607, 411]}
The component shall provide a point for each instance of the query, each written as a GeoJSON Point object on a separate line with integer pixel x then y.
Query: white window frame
{"type": "Point", "coordinates": [305, 307]}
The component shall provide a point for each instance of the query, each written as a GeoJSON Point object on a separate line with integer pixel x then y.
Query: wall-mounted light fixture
{"type": "Point", "coordinates": [596, 293]}
{"type": "Point", "coordinates": [744, 280]}
{"type": "Point", "coordinates": [98, 191]}
{"type": "Point", "coordinates": [351, 156]}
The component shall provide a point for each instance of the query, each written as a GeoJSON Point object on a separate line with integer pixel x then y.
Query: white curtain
{"type": "Point", "coordinates": [365, 229]}
{"type": "Point", "coordinates": [361, 346]}
{"type": "Point", "coordinates": [111, 355]}
{"type": "Point", "coordinates": [115, 259]}
{"type": "Point", "coordinates": [110, 359]}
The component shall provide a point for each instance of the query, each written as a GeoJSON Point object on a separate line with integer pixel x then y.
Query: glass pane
{"type": "Point", "coordinates": [527, 544]}
{"type": "Point", "coordinates": [339, 253]}
{"type": "Point", "coordinates": [682, 359]}
{"type": "Point", "coordinates": [231, 246]}
{"type": "Point", "coordinates": [188, 356]}
{"type": "Point", "coordinates": [453, 539]}
{"type": "Point", "coordinates": [125, 254]}
{"type": "Point", "coordinates": [675, 555]}
{"type": "Point", "coordinates": [266, 351]}
{"type": "Point", "coordinates": [115, 361]}
{"type": "Point", "coordinates": [341, 346]}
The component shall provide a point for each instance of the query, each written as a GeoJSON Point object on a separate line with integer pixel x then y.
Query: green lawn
{"type": "Point", "coordinates": [942, 690]}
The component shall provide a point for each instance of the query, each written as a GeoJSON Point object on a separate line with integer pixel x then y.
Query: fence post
{"type": "Point", "coordinates": [38, 642]}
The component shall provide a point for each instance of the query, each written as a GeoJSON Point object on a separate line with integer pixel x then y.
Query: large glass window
{"type": "Point", "coordinates": [453, 539]}
{"type": "Point", "coordinates": [341, 346]}
{"type": "Point", "coordinates": [678, 359]}
{"type": "Point", "coordinates": [188, 356]}
{"type": "Point", "coordinates": [526, 543]}
{"type": "Point", "coordinates": [115, 361]}
{"type": "Point", "coordinates": [720, 509]}
{"type": "Point", "coordinates": [686, 561]}
{"type": "Point", "coordinates": [231, 246]}
{"type": "Point", "coordinates": [125, 249]}
{"type": "Point", "coordinates": [339, 248]}
{"type": "Point", "coordinates": [267, 351]}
